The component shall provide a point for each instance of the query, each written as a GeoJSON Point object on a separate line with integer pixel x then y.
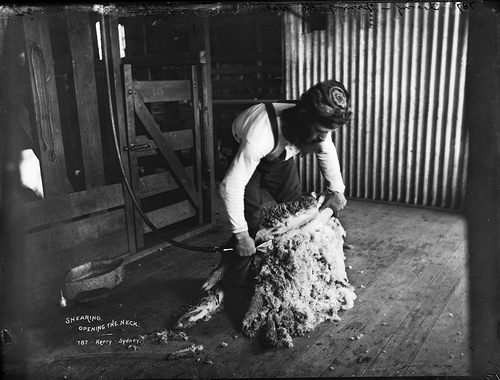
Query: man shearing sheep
{"type": "Point", "coordinates": [266, 137]}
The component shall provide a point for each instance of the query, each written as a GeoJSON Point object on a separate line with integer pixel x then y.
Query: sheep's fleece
{"type": "Point", "coordinates": [300, 281]}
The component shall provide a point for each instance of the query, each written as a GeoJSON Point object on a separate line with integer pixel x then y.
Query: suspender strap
{"type": "Point", "coordinates": [271, 113]}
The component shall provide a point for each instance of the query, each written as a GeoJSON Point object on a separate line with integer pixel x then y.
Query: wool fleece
{"type": "Point", "coordinates": [300, 280]}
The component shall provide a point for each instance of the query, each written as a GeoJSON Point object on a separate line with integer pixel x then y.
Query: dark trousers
{"type": "Point", "coordinates": [280, 178]}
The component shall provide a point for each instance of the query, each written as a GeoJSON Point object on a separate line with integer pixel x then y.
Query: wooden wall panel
{"type": "Point", "coordinates": [63, 207]}
{"type": "Point", "coordinates": [107, 247]}
{"type": "Point", "coordinates": [43, 84]}
{"type": "Point", "coordinates": [82, 59]}
{"type": "Point", "coordinates": [176, 140]}
{"type": "Point", "coordinates": [159, 183]}
{"type": "Point", "coordinates": [161, 91]}
{"type": "Point", "coordinates": [169, 215]}
{"type": "Point", "coordinates": [67, 235]}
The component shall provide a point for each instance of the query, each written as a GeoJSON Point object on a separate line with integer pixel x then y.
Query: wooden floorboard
{"type": "Point", "coordinates": [408, 268]}
{"type": "Point", "coordinates": [381, 306]}
{"type": "Point", "coordinates": [441, 353]}
{"type": "Point", "coordinates": [404, 344]}
{"type": "Point", "coordinates": [314, 359]}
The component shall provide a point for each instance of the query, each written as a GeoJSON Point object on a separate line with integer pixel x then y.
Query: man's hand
{"type": "Point", "coordinates": [335, 200]}
{"type": "Point", "coordinates": [245, 245]}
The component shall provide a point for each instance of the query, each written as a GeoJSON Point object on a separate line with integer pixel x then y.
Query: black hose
{"type": "Point", "coordinates": [107, 69]}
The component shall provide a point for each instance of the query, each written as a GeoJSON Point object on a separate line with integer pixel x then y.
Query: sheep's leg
{"type": "Point", "coordinates": [216, 277]}
{"type": "Point", "coordinates": [254, 316]}
{"type": "Point", "coordinates": [203, 310]}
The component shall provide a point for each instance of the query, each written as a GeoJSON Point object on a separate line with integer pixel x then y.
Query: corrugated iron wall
{"type": "Point", "coordinates": [404, 65]}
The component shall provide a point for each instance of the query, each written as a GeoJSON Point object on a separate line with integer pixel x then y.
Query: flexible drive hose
{"type": "Point", "coordinates": [107, 69]}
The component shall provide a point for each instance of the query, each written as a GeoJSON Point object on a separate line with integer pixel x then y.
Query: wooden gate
{"type": "Point", "coordinates": [170, 174]}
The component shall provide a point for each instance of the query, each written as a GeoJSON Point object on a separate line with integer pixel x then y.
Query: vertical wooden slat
{"type": "Point", "coordinates": [208, 130]}
{"type": "Point", "coordinates": [82, 60]}
{"type": "Point", "coordinates": [132, 155]}
{"type": "Point", "coordinates": [197, 139]}
{"type": "Point", "coordinates": [48, 124]}
{"type": "Point", "coordinates": [109, 31]}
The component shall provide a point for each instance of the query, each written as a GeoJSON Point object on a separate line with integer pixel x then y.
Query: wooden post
{"type": "Point", "coordinates": [197, 139]}
{"type": "Point", "coordinates": [132, 156]}
{"type": "Point", "coordinates": [208, 131]}
{"type": "Point", "coordinates": [82, 59]}
{"type": "Point", "coordinates": [109, 31]}
{"type": "Point", "coordinates": [43, 84]}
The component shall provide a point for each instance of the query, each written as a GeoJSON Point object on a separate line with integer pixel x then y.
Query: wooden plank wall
{"type": "Point", "coordinates": [246, 58]}
{"type": "Point", "coordinates": [69, 230]}
{"type": "Point", "coordinates": [86, 213]}
{"type": "Point", "coordinates": [246, 67]}
{"type": "Point", "coordinates": [46, 106]}
{"type": "Point", "coordinates": [71, 225]}
{"type": "Point", "coordinates": [79, 33]}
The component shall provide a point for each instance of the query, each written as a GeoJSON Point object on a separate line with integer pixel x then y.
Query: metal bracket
{"type": "Point", "coordinates": [137, 147]}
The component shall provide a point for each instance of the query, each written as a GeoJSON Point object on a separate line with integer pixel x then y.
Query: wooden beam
{"type": "Point", "coordinates": [63, 207]}
{"type": "Point", "coordinates": [265, 69]}
{"type": "Point", "coordinates": [197, 138]}
{"type": "Point", "coordinates": [166, 216]}
{"type": "Point", "coordinates": [171, 59]}
{"type": "Point", "coordinates": [109, 30]}
{"type": "Point", "coordinates": [208, 130]}
{"type": "Point", "coordinates": [251, 95]}
{"type": "Point", "coordinates": [173, 161]}
{"type": "Point", "coordinates": [247, 57]}
{"type": "Point", "coordinates": [65, 236]}
{"type": "Point", "coordinates": [44, 91]}
{"type": "Point", "coordinates": [80, 43]}
{"type": "Point", "coordinates": [177, 140]}
{"type": "Point", "coordinates": [159, 183]}
{"type": "Point", "coordinates": [164, 91]}
{"type": "Point", "coordinates": [158, 247]}
{"type": "Point", "coordinates": [230, 83]}
{"type": "Point", "coordinates": [242, 101]}
{"type": "Point", "coordinates": [133, 155]}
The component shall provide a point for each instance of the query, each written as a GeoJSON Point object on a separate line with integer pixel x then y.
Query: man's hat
{"type": "Point", "coordinates": [329, 101]}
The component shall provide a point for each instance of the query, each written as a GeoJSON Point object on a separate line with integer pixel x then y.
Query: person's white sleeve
{"type": "Point", "coordinates": [330, 166]}
{"type": "Point", "coordinates": [232, 187]}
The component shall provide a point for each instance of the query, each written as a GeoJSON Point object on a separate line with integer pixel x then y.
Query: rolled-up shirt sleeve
{"type": "Point", "coordinates": [330, 165]}
{"type": "Point", "coordinates": [232, 188]}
